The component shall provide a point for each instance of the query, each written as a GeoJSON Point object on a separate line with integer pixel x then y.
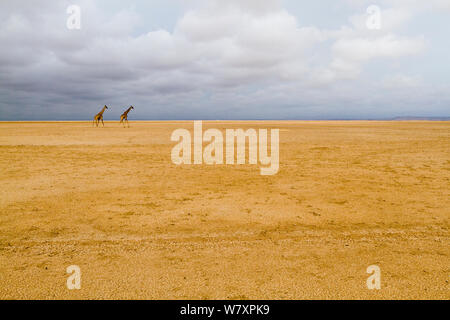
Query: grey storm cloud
{"type": "Point", "coordinates": [222, 60]}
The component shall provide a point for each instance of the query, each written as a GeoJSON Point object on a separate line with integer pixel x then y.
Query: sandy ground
{"type": "Point", "coordinates": [348, 195]}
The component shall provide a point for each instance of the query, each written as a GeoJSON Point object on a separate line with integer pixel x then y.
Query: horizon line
{"type": "Point", "coordinates": [168, 120]}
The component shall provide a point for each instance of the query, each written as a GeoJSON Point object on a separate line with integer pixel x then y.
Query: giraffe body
{"type": "Point", "coordinates": [99, 117]}
{"type": "Point", "coordinates": [124, 117]}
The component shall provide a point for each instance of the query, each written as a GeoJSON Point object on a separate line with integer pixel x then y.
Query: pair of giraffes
{"type": "Point", "coordinates": [123, 118]}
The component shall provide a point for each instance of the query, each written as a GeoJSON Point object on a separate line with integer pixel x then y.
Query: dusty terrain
{"type": "Point", "coordinates": [348, 195]}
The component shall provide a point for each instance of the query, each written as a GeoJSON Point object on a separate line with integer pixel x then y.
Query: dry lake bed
{"type": "Point", "coordinates": [348, 195]}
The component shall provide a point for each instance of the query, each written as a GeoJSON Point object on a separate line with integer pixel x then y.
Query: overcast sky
{"type": "Point", "coordinates": [224, 59]}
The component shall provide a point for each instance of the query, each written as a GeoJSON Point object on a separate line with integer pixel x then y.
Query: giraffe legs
{"type": "Point", "coordinates": [103, 122]}
{"type": "Point", "coordinates": [124, 120]}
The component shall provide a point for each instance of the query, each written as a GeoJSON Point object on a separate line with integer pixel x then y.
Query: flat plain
{"type": "Point", "coordinates": [349, 194]}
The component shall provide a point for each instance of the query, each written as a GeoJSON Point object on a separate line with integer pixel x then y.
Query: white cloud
{"type": "Point", "coordinates": [391, 19]}
{"type": "Point", "coordinates": [350, 53]}
{"type": "Point", "coordinates": [401, 81]}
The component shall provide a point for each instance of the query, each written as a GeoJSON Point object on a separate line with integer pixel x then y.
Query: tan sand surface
{"type": "Point", "coordinates": [348, 195]}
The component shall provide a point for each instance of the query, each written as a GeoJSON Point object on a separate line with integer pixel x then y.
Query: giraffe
{"type": "Point", "coordinates": [124, 116]}
{"type": "Point", "coordinates": [99, 117]}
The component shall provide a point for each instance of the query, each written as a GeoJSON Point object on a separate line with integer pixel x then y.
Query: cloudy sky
{"type": "Point", "coordinates": [224, 59]}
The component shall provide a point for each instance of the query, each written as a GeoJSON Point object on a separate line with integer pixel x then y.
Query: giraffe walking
{"type": "Point", "coordinates": [99, 116]}
{"type": "Point", "coordinates": [124, 117]}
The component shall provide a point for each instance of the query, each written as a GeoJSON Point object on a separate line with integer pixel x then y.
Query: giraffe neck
{"type": "Point", "coordinates": [103, 110]}
{"type": "Point", "coordinates": [128, 110]}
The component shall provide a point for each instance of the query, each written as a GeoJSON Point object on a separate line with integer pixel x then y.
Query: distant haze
{"type": "Point", "coordinates": [234, 59]}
